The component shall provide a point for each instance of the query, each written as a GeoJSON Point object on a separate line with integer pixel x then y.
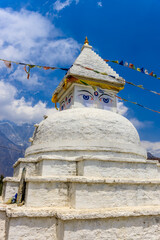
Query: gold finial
{"type": "Point", "coordinates": [86, 41]}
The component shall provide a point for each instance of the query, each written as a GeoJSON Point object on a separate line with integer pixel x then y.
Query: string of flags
{"type": "Point", "coordinates": [8, 64]}
{"type": "Point", "coordinates": [140, 105]}
{"type": "Point", "coordinates": [132, 66]}
{"type": "Point", "coordinates": [125, 100]}
{"type": "Point", "coordinates": [130, 83]}
{"type": "Point", "coordinates": [28, 67]}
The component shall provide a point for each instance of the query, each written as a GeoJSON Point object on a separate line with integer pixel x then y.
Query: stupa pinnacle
{"type": "Point", "coordinates": [86, 41]}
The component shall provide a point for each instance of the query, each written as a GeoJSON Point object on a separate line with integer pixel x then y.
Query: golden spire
{"type": "Point", "coordinates": [86, 41]}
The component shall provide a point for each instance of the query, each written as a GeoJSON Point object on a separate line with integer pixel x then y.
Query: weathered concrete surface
{"type": "Point", "coordinates": [32, 228]}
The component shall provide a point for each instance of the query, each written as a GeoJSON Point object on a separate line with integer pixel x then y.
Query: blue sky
{"type": "Point", "coordinates": [52, 33]}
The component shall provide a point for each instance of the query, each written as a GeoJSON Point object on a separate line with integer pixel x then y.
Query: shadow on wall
{"type": "Point", "coordinates": [1, 184]}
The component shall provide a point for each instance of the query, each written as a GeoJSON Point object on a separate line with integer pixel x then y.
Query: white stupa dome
{"type": "Point", "coordinates": [87, 131]}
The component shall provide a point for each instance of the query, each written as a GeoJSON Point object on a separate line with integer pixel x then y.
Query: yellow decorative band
{"type": "Point", "coordinates": [85, 82]}
{"type": "Point", "coordinates": [94, 83]}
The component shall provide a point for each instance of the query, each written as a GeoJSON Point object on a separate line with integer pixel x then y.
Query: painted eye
{"type": "Point", "coordinates": [106, 100]}
{"type": "Point", "coordinates": [86, 97]}
{"type": "Point", "coordinates": [62, 107]}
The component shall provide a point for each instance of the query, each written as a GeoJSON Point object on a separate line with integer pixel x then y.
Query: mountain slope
{"type": "Point", "coordinates": [13, 142]}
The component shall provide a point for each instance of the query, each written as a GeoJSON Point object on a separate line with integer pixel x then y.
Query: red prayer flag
{"type": "Point", "coordinates": [88, 68]}
{"type": "Point", "coordinates": [151, 74]}
{"type": "Point", "coordinates": [46, 68]}
{"type": "Point", "coordinates": [130, 65]}
{"type": "Point", "coordinates": [7, 63]}
{"type": "Point", "coordinates": [25, 69]}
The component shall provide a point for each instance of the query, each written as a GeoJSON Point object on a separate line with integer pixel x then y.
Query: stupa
{"type": "Point", "coordinates": [85, 175]}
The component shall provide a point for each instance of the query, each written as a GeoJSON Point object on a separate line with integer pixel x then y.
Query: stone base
{"type": "Point", "coordinates": [57, 224]}
{"type": "Point", "coordinates": [79, 192]}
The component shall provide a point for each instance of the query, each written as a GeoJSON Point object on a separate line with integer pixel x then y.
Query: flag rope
{"type": "Point", "coordinates": [30, 66]}
{"type": "Point", "coordinates": [132, 66]}
{"type": "Point", "coordinates": [130, 83]}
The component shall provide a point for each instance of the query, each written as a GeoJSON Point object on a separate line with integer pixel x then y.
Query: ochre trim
{"type": "Point", "coordinates": [54, 100]}
{"type": "Point", "coordinates": [86, 82]}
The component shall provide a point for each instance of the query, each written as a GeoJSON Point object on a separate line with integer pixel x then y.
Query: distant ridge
{"type": "Point", "coordinates": [13, 142]}
{"type": "Point", "coordinates": [150, 156]}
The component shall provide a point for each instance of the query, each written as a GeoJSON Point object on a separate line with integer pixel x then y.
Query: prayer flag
{"type": "Point", "coordinates": [7, 63]}
{"type": "Point", "coordinates": [126, 64]}
{"type": "Point", "coordinates": [115, 61]}
{"type": "Point", "coordinates": [25, 69]}
{"type": "Point", "coordinates": [89, 68]}
{"type": "Point", "coordinates": [151, 74]}
{"type": "Point", "coordinates": [134, 67]}
{"type": "Point", "coordinates": [121, 63]}
{"type": "Point", "coordinates": [112, 76]}
{"type": "Point", "coordinates": [130, 65]}
{"type": "Point", "coordinates": [83, 82]}
{"type": "Point", "coordinates": [146, 71]}
{"type": "Point", "coordinates": [46, 68]}
{"type": "Point", "coordinates": [142, 70]}
{"type": "Point", "coordinates": [96, 71]}
{"type": "Point", "coordinates": [65, 69]}
{"type": "Point", "coordinates": [140, 86]}
{"type": "Point", "coordinates": [103, 73]}
{"type": "Point", "coordinates": [138, 69]}
{"type": "Point", "coordinates": [106, 60]}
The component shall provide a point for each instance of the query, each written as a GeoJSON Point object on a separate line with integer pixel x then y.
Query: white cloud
{"type": "Point", "coordinates": [138, 124]}
{"type": "Point", "coordinates": [122, 109]}
{"type": "Point", "coordinates": [20, 75]}
{"type": "Point", "coordinates": [152, 147]}
{"type": "Point", "coordinates": [28, 36]}
{"type": "Point", "coordinates": [19, 110]}
{"type": "Point", "coordinates": [59, 5]}
{"type": "Point", "coordinates": [99, 4]}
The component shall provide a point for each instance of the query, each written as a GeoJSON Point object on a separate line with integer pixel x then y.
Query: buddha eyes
{"type": "Point", "coordinates": [105, 100]}
{"type": "Point", "coordinates": [86, 97]}
{"type": "Point", "coordinates": [66, 103]}
{"type": "Point", "coordinates": [69, 100]}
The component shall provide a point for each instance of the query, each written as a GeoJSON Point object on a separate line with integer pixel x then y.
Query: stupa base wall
{"type": "Point", "coordinates": [88, 166]}
{"type": "Point", "coordinates": [147, 228]}
{"type": "Point", "coordinates": [32, 228]}
{"type": "Point", "coordinates": [82, 192]}
{"type": "Point", "coordinates": [3, 224]}
{"type": "Point", "coordinates": [91, 193]}
{"type": "Point", "coordinates": [113, 224]}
